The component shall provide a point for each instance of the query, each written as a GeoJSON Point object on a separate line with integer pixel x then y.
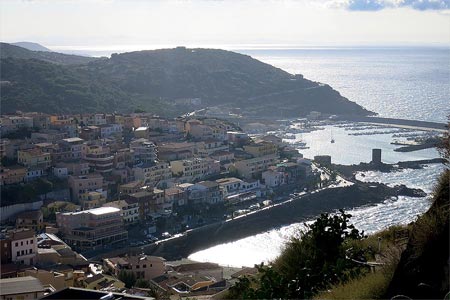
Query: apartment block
{"type": "Point", "coordinates": [143, 266]}
{"type": "Point", "coordinates": [153, 173]}
{"type": "Point", "coordinates": [261, 148]}
{"type": "Point", "coordinates": [79, 185]}
{"type": "Point", "coordinates": [93, 228]}
{"type": "Point", "coordinates": [253, 167]}
{"type": "Point", "coordinates": [34, 158]}
{"type": "Point", "coordinates": [195, 169]}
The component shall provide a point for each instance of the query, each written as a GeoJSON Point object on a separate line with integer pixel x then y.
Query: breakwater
{"type": "Point", "coordinates": [297, 210]}
{"type": "Point", "coordinates": [396, 122]}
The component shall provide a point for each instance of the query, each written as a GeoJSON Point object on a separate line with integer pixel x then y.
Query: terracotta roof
{"type": "Point", "coordinates": [196, 267]}
{"type": "Point", "coordinates": [20, 285]}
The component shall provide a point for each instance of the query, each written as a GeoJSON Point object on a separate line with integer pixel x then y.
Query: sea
{"type": "Point", "coordinates": [408, 83]}
{"type": "Point", "coordinates": [397, 82]}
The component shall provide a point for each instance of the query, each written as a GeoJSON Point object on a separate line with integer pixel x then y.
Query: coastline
{"type": "Point", "coordinates": [290, 211]}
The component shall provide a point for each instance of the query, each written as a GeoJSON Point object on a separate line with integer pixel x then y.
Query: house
{"type": "Point", "coordinates": [176, 151]}
{"type": "Point", "coordinates": [253, 167]}
{"type": "Point", "coordinates": [176, 196]}
{"type": "Point", "coordinates": [129, 209]}
{"type": "Point", "coordinates": [32, 219]}
{"type": "Point", "coordinates": [143, 266]}
{"type": "Point", "coordinates": [131, 187]}
{"type": "Point", "coordinates": [34, 158]}
{"type": "Point", "coordinates": [153, 173]}
{"type": "Point", "coordinates": [185, 285]}
{"type": "Point", "coordinates": [208, 147]}
{"type": "Point", "coordinates": [74, 168]}
{"type": "Point", "coordinates": [272, 139]}
{"type": "Point", "coordinates": [109, 130]}
{"type": "Point", "coordinates": [54, 251]}
{"type": "Point", "coordinates": [273, 178]}
{"type": "Point", "coordinates": [102, 282]}
{"type": "Point", "coordinates": [14, 123]}
{"type": "Point", "coordinates": [92, 199]}
{"type": "Point", "coordinates": [222, 156]}
{"type": "Point", "coordinates": [21, 246]}
{"type": "Point", "coordinates": [141, 132]}
{"type": "Point", "coordinates": [23, 288]}
{"type": "Point", "coordinates": [70, 148]}
{"type": "Point", "coordinates": [205, 192]}
{"type": "Point", "coordinates": [46, 277]}
{"type": "Point", "coordinates": [146, 201]}
{"type": "Point", "coordinates": [47, 136]}
{"type": "Point", "coordinates": [12, 175]}
{"type": "Point", "coordinates": [230, 184]}
{"type": "Point", "coordinates": [82, 293]}
{"type": "Point", "coordinates": [80, 185]}
{"type": "Point", "coordinates": [237, 138]}
{"type": "Point", "coordinates": [195, 168]}
{"type": "Point", "coordinates": [34, 173]}
{"type": "Point", "coordinates": [144, 151]}
{"type": "Point", "coordinates": [93, 119]}
{"type": "Point", "coordinates": [90, 133]}
{"type": "Point", "coordinates": [261, 148]}
{"type": "Point", "coordinates": [99, 158]}
{"type": "Point", "coordinates": [92, 229]}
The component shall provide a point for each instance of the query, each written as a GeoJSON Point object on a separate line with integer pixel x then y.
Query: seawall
{"type": "Point", "coordinates": [298, 210]}
{"type": "Point", "coordinates": [396, 122]}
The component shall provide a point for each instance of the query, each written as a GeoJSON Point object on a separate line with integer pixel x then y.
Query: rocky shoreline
{"type": "Point", "coordinates": [297, 210]}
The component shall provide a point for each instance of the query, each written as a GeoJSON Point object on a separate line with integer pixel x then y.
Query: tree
{"type": "Point", "coordinates": [142, 283]}
{"type": "Point", "coordinates": [306, 265]}
{"type": "Point", "coordinates": [129, 278]}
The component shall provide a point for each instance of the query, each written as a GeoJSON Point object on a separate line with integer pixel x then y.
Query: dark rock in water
{"type": "Point", "coordinates": [403, 190]}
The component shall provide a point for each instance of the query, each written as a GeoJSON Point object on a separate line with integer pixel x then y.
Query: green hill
{"type": "Point", "coordinates": [12, 51]}
{"type": "Point", "coordinates": [153, 79]}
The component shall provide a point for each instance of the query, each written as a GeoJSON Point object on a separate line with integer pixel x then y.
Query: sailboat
{"type": "Point", "coordinates": [332, 139]}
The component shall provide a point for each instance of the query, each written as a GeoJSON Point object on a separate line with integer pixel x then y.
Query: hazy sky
{"type": "Point", "coordinates": [104, 23]}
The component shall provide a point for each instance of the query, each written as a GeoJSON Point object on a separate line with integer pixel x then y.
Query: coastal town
{"type": "Point", "coordinates": [78, 187]}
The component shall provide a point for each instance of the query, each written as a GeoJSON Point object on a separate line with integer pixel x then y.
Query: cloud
{"type": "Point", "coordinates": [375, 5]}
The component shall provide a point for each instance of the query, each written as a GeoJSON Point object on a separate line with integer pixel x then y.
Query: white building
{"type": "Point", "coordinates": [195, 169]}
{"type": "Point", "coordinates": [129, 210]}
{"type": "Point", "coordinates": [23, 246]}
{"type": "Point", "coordinates": [273, 178]}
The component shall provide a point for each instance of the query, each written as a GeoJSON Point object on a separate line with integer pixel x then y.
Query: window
{"type": "Point", "coordinates": [144, 266]}
{"type": "Point", "coordinates": [17, 244]}
{"type": "Point", "coordinates": [32, 241]}
{"type": "Point", "coordinates": [137, 267]}
{"type": "Point", "coordinates": [21, 243]}
{"type": "Point", "coordinates": [22, 252]}
{"type": "Point", "coordinates": [31, 251]}
{"type": "Point", "coordinates": [18, 253]}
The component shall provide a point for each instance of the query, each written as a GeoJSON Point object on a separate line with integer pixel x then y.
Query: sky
{"type": "Point", "coordinates": [105, 24]}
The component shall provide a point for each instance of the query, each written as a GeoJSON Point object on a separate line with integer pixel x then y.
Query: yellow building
{"type": "Point", "coordinates": [92, 199]}
{"type": "Point", "coordinates": [253, 167]}
{"type": "Point", "coordinates": [61, 120]}
{"type": "Point", "coordinates": [261, 148]}
{"type": "Point", "coordinates": [34, 158]}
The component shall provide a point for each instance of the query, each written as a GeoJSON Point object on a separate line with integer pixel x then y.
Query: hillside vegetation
{"type": "Point", "coordinates": [12, 51]}
{"type": "Point", "coordinates": [152, 80]}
